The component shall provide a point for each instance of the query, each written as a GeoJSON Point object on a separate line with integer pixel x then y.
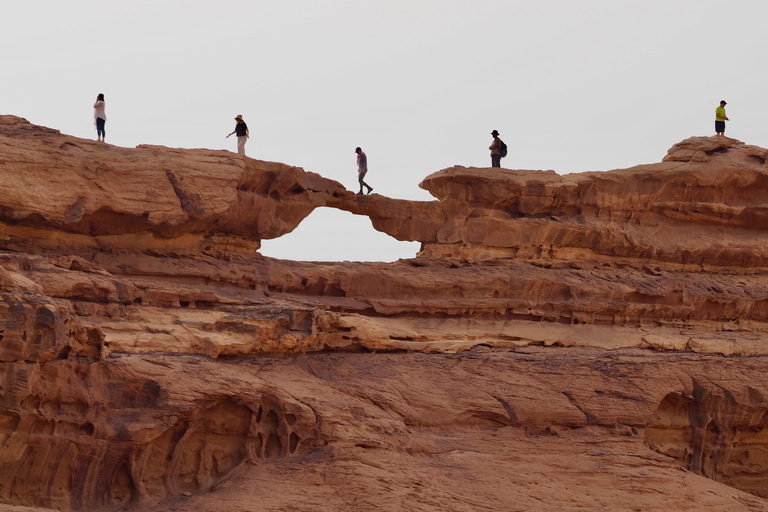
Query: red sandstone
{"type": "Point", "coordinates": [591, 341]}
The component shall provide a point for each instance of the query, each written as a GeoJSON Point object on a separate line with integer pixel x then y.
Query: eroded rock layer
{"type": "Point", "coordinates": [559, 343]}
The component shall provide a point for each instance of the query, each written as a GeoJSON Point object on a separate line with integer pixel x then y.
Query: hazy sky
{"type": "Point", "coordinates": [570, 85]}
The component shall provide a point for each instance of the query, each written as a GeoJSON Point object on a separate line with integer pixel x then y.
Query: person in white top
{"type": "Point", "coordinates": [100, 117]}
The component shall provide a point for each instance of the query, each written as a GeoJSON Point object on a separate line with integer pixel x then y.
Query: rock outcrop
{"type": "Point", "coordinates": [559, 343]}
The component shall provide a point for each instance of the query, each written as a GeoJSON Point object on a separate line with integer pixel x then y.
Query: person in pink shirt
{"type": "Point", "coordinates": [100, 117]}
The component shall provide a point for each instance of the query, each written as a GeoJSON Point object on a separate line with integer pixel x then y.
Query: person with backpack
{"type": "Point", "coordinates": [498, 150]}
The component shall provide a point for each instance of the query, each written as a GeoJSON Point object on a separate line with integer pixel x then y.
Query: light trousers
{"type": "Point", "coordinates": [241, 144]}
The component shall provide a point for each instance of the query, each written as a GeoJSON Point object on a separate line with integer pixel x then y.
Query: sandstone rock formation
{"type": "Point", "coordinates": [591, 341]}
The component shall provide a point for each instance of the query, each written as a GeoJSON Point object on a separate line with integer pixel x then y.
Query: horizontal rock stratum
{"type": "Point", "coordinates": [594, 341]}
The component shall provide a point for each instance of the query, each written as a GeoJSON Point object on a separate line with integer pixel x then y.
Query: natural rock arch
{"type": "Point", "coordinates": [342, 233]}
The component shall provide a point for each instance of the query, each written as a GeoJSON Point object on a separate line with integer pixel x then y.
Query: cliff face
{"type": "Point", "coordinates": [559, 343]}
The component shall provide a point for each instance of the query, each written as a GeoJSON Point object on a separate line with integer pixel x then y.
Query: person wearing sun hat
{"type": "Point", "coordinates": [495, 148]}
{"type": "Point", "coordinates": [241, 129]}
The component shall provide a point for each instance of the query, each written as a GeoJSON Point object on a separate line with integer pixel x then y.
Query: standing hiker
{"type": "Point", "coordinates": [362, 169]}
{"type": "Point", "coordinates": [720, 118]}
{"type": "Point", "coordinates": [100, 117]}
{"type": "Point", "coordinates": [241, 129]}
{"type": "Point", "coordinates": [498, 149]}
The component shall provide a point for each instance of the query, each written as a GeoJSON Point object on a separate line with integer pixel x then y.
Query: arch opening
{"type": "Point", "coordinates": [328, 234]}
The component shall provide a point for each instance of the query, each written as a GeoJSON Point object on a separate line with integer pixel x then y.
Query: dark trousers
{"type": "Point", "coordinates": [495, 160]}
{"type": "Point", "coordinates": [100, 127]}
{"type": "Point", "coordinates": [719, 126]}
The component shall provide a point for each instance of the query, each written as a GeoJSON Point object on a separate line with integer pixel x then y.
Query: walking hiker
{"type": "Point", "coordinates": [100, 117]}
{"type": "Point", "coordinates": [241, 129]}
{"type": "Point", "coordinates": [720, 118]}
{"type": "Point", "coordinates": [362, 169]}
{"type": "Point", "coordinates": [498, 149]}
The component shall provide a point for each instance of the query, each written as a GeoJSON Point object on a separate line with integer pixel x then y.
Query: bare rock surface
{"type": "Point", "coordinates": [581, 342]}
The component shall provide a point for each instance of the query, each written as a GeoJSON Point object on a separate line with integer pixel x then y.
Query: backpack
{"type": "Point", "coordinates": [503, 150]}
